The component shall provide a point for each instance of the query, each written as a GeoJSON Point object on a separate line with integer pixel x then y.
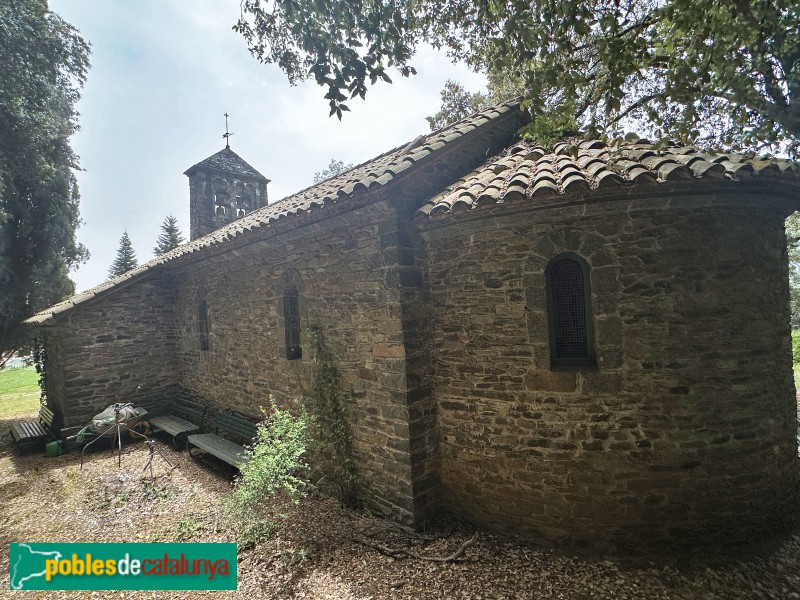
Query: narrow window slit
{"type": "Point", "coordinates": [291, 316]}
{"type": "Point", "coordinates": [202, 325]}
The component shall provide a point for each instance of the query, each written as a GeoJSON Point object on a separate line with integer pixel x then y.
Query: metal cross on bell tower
{"type": "Point", "coordinates": [227, 135]}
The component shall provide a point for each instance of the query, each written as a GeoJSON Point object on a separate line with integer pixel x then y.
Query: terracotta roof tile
{"type": "Point", "coordinates": [377, 172]}
{"type": "Point", "coordinates": [737, 169]}
{"type": "Point", "coordinates": [671, 171]}
{"type": "Point", "coordinates": [526, 173]}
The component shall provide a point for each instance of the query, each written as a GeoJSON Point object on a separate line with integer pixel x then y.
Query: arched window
{"type": "Point", "coordinates": [221, 203]}
{"type": "Point", "coordinates": [202, 325]}
{"type": "Point", "coordinates": [569, 311]}
{"type": "Point", "coordinates": [291, 322]}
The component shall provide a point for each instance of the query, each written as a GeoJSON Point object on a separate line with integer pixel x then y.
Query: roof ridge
{"type": "Point", "coordinates": [505, 104]}
{"type": "Point", "coordinates": [335, 177]}
{"type": "Point", "coordinates": [376, 172]}
{"type": "Point", "coordinates": [405, 147]}
{"type": "Point", "coordinates": [216, 163]}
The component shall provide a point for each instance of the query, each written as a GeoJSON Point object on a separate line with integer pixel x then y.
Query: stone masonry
{"type": "Point", "coordinates": [424, 270]}
{"type": "Point", "coordinates": [355, 307]}
{"type": "Point", "coordinates": [682, 432]}
{"type": "Point", "coordinates": [123, 350]}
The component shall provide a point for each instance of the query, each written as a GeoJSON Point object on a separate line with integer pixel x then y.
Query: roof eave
{"type": "Point", "coordinates": [782, 192]}
{"type": "Point", "coordinates": [244, 232]}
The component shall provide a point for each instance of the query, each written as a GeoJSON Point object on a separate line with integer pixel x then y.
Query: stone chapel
{"type": "Point", "coordinates": [587, 344]}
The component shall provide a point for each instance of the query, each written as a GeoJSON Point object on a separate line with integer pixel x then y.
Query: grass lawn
{"type": "Point", "coordinates": [19, 392]}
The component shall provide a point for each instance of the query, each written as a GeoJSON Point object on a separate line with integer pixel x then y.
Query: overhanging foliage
{"type": "Point", "coordinates": [724, 73]}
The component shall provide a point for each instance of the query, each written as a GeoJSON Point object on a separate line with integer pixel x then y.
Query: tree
{"type": "Point", "coordinates": [43, 65]}
{"type": "Point", "coordinates": [170, 236]}
{"type": "Point", "coordinates": [336, 167]}
{"type": "Point", "coordinates": [457, 103]}
{"type": "Point", "coordinates": [716, 72]}
{"type": "Point", "coordinates": [126, 258]}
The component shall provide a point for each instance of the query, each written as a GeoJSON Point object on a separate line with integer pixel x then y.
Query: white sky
{"type": "Point", "coordinates": [164, 72]}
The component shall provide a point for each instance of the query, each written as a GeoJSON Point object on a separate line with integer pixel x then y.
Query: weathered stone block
{"type": "Point", "coordinates": [555, 381]}
{"type": "Point", "coordinates": [600, 383]}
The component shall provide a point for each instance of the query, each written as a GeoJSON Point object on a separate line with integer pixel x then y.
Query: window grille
{"type": "Point", "coordinates": [291, 322]}
{"type": "Point", "coordinates": [569, 312]}
{"type": "Point", "coordinates": [202, 325]}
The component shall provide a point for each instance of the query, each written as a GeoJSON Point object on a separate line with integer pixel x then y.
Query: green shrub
{"type": "Point", "coordinates": [250, 532]}
{"type": "Point", "coordinates": [275, 463]}
{"type": "Point", "coordinates": [189, 528]}
{"type": "Point", "coordinates": [274, 466]}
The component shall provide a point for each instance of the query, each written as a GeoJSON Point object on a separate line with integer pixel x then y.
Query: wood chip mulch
{"type": "Point", "coordinates": [320, 550]}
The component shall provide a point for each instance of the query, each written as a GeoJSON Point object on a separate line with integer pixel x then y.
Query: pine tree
{"type": "Point", "coordinates": [126, 257]}
{"type": "Point", "coordinates": [170, 236]}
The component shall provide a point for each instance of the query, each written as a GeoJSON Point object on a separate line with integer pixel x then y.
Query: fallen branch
{"type": "Point", "coordinates": [371, 530]}
{"type": "Point", "coordinates": [405, 553]}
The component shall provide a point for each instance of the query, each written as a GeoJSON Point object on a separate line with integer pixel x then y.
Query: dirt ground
{"type": "Point", "coordinates": [314, 550]}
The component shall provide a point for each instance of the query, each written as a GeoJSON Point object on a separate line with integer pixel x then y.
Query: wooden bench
{"type": "Point", "coordinates": [180, 418]}
{"type": "Point", "coordinates": [229, 433]}
{"type": "Point", "coordinates": [34, 433]}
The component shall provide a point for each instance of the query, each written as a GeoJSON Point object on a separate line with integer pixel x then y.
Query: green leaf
{"type": "Point", "coordinates": [714, 72]}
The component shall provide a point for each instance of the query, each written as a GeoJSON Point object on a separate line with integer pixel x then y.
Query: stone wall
{"type": "Point", "coordinates": [359, 268]}
{"type": "Point", "coordinates": [423, 441]}
{"type": "Point", "coordinates": [685, 427]}
{"type": "Point", "coordinates": [216, 200]}
{"type": "Point", "coordinates": [345, 273]}
{"type": "Point", "coordinates": [121, 348]}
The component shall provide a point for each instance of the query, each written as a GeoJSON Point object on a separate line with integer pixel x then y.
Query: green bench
{"type": "Point", "coordinates": [229, 433]}
{"type": "Point", "coordinates": [179, 419]}
{"type": "Point", "coordinates": [34, 433]}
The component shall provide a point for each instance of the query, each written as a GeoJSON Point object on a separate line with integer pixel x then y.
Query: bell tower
{"type": "Point", "coordinates": [222, 188]}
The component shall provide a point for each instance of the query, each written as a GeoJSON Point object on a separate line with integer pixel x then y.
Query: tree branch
{"type": "Point", "coordinates": [638, 104]}
{"type": "Point", "coordinates": [405, 553]}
